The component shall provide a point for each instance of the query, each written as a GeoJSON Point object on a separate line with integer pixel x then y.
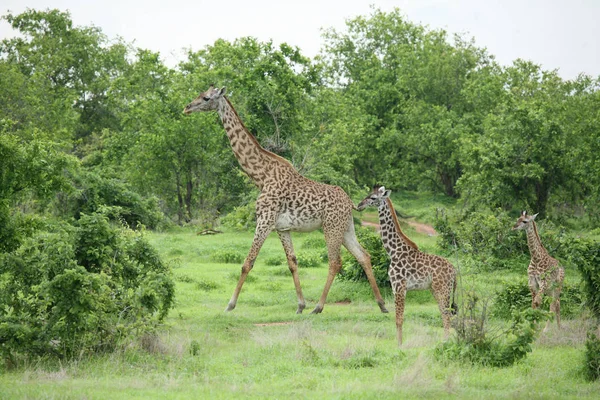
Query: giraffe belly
{"type": "Point", "coordinates": [290, 222]}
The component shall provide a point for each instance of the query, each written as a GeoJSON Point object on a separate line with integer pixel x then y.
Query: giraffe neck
{"type": "Point", "coordinates": [256, 162]}
{"type": "Point", "coordinates": [391, 235]}
{"type": "Point", "coordinates": [536, 248]}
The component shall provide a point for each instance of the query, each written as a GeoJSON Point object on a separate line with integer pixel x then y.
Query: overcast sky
{"type": "Point", "coordinates": [558, 34]}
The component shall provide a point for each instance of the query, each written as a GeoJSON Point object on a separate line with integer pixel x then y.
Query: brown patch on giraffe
{"type": "Point", "coordinates": [274, 323]}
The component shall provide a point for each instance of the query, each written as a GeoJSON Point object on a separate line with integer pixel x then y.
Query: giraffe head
{"type": "Point", "coordinates": [524, 221]}
{"type": "Point", "coordinates": [374, 199]}
{"type": "Point", "coordinates": [206, 101]}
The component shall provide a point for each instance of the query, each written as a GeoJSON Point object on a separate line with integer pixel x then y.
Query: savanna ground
{"type": "Point", "coordinates": [263, 349]}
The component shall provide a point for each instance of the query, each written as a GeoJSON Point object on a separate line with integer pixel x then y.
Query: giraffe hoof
{"type": "Point", "coordinates": [300, 308]}
{"type": "Point", "coordinates": [317, 310]}
{"type": "Point", "coordinates": [230, 307]}
{"type": "Point", "coordinates": [382, 308]}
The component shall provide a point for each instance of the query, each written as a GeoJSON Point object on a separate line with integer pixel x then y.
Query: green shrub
{"type": "Point", "coordinates": [275, 260]}
{"type": "Point", "coordinates": [473, 342]}
{"type": "Point", "coordinates": [314, 242]}
{"type": "Point", "coordinates": [592, 356]}
{"type": "Point", "coordinates": [227, 256]}
{"type": "Point", "coordinates": [371, 242]}
{"type": "Point", "coordinates": [585, 255]}
{"type": "Point", "coordinates": [242, 217]}
{"type": "Point", "coordinates": [73, 290]}
{"type": "Point", "coordinates": [516, 297]}
{"type": "Point", "coordinates": [309, 259]}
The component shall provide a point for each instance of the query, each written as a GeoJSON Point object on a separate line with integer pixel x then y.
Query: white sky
{"type": "Point", "coordinates": [558, 34]}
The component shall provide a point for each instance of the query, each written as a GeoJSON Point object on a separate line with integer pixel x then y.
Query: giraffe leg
{"type": "Point", "coordinates": [555, 306]}
{"type": "Point", "coordinates": [534, 289]}
{"type": "Point", "coordinates": [286, 241]}
{"type": "Point", "coordinates": [399, 299]}
{"type": "Point", "coordinates": [261, 233]}
{"type": "Point", "coordinates": [361, 255]}
{"type": "Point", "coordinates": [442, 295]}
{"type": "Point", "coordinates": [334, 243]}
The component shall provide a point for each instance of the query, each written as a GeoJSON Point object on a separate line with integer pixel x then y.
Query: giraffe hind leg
{"type": "Point", "coordinates": [351, 243]}
{"type": "Point", "coordinates": [286, 241]}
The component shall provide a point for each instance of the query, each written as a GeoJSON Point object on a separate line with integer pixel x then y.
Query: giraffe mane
{"type": "Point", "coordinates": [397, 224]}
{"type": "Point", "coordinates": [537, 235]}
{"type": "Point", "coordinates": [262, 149]}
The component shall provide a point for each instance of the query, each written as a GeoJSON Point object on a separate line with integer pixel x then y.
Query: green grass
{"type": "Point", "coordinates": [262, 349]}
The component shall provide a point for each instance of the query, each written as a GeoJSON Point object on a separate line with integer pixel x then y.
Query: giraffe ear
{"type": "Point", "coordinates": [386, 194]}
{"type": "Point", "coordinates": [222, 91]}
{"type": "Point", "coordinates": [533, 216]}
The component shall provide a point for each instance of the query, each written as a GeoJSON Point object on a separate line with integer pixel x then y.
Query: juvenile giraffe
{"type": "Point", "coordinates": [410, 268]}
{"type": "Point", "coordinates": [287, 202]}
{"type": "Point", "coordinates": [544, 273]}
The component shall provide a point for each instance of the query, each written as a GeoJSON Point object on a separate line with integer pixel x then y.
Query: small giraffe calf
{"type": "Point", "coordinates": [544, 273]}
{"type": "Point", "coordinates": [410, 268]}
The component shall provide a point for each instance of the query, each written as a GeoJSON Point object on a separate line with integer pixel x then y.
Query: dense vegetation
{"type": "Point", "coordinates": [94, 148]}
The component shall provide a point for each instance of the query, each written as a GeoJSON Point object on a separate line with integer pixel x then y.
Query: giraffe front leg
{"type": "Point", "coordinates": [555, 306]}
{"type": "Point", "coordinates": [399, 300]}
{"type": "Point", "coordinates": [261, 233]}
{"type": "Point", "coordinates": [534, 289]}
{"type": "Point", "coordinates": [288, 247]}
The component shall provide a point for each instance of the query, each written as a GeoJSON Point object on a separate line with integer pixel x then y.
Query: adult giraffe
{"type": "Point", "coordinates": [287, 202]}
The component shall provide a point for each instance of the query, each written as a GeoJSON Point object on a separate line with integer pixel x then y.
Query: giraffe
{"type": "Point", "coordinates": [544, 273]}
{"type": "Point", "coordinates": [287, 202]}
{"type": "Point", "coordinates": [410, 268]}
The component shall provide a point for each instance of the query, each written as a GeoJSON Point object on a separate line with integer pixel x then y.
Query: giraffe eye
{"type": "Point", "coordinates": [206, 98]}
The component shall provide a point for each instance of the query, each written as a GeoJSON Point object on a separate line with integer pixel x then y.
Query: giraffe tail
{"type": "Point", "coordinates": [453, 306]}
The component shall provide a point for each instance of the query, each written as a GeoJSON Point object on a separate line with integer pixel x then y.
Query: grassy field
{"type": "Point", "coordinates": [262, 349]}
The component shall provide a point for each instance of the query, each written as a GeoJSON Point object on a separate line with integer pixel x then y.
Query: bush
{"type": "Point", "coordinates": [242, 217]}
{"type": "Point", "coordinates": [516, 297]}
{"type": "Point", "coordinates": [78, 289]}
{"type": "Point", "coordinates": [371, 242]}
{"type": "Point", "coordinates": [308, 259]}
{"type": "Point", "coordinates": [473, 342]}
{"type": "Point", "coordinates": [227, 256]}
{"type": "Point", "coordinates": [585, 254]}
{"type": "Point", "coordinates": [314, 242]}
{"type": "Point", "coordinates": [275, 260]}
{"type": "Point", "coordinates": [592, 356]}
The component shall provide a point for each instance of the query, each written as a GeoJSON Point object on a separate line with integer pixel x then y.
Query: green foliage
{"type": "Point", "coordinates": [584, 253]}
{"type": "Point", "coordinates": [242, 217]}
{"type": "Point", "coordinates": [309, 259]}
{"type": "Point", "coordinates": [592, 356]}
{"type": "Point", "coordinates": [227, 256]}
{"type": "Point", "coordinates": [371, 242]}
{"type": "Point", "coordinates": [515, 297]}
{"type": "Point", "coordinates": [275, 260]}
{"type": "Point", "coordinates": [473, 342]}
{"type": "Point", "coordinates": [78, 289]}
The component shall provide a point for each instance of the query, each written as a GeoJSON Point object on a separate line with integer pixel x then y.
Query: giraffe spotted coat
{"type": "Point", "coordinates": [287, 202]}
{"type": "Point", "coordinates": [410, 268]}
{"type": "Point", "coordinates": [544, 273]}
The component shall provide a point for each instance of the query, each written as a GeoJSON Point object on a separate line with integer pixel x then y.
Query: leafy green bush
{"type": "Point", "coordinates": [592, 356]}
{"type": "Point", "coordinates": [474, 344]}
{"type": "Point", "coordinates": [516, 297]}
{"type": "Point", "coordinates": [72, 290]}
{"type": "Point", "coordinates": [242, 217]}
{"type": "Point", "coordinates": [96, 191]}
{"type": "Point", "coordinates": [371, 242]}
{"type": "Point", "coordinates": [585, 255]}
{"type": "Point", "coordinates": [275, 260]}
{"type": "Point", "coordinates": [314, 242]}
{"type": "Point", "coordinates": [227, 256]}
{"type": "Point", "coordinates": [309, 259]}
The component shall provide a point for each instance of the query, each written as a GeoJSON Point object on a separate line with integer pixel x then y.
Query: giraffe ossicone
{"type": "Point", "coordinates": [287, 202]}
{"type": "Point", "coordinates": [410, 268]}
